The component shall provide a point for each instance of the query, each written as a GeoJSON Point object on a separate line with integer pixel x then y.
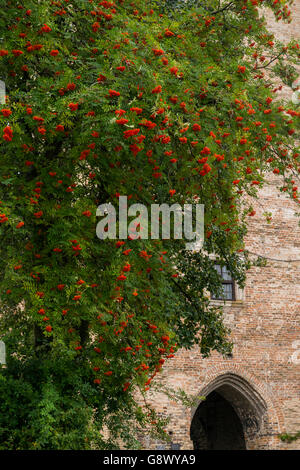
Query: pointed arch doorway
{"type": "Point", "coordinates": [231, 415]}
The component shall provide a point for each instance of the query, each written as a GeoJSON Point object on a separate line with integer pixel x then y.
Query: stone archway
{"type": "Point", "coordinates": [216, 426]}
{"type": "Point", "coordinates": [233, 416]}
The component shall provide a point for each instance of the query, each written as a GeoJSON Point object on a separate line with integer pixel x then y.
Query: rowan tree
{"type": "Point", "coordinates": [156, 101]}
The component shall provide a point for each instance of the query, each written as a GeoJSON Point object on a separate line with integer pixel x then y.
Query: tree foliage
{"type": "Point", "coordinates": [152, 100]}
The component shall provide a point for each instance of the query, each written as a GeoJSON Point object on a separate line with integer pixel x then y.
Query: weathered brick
{"type": "Point", "coordinates": [262, 379]}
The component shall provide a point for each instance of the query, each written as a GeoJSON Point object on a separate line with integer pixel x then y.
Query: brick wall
{"type": "Point", "coordinates": [261, 381]}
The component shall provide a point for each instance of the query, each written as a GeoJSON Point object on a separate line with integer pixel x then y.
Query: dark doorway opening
{"type": "Point", "coordinates": [216, 425]}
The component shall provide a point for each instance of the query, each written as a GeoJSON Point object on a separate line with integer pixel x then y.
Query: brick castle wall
{"type": "Point", "coordinates": [261, 380]}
